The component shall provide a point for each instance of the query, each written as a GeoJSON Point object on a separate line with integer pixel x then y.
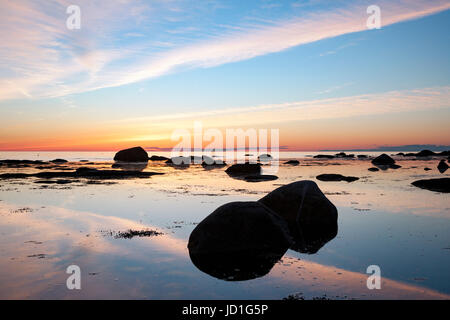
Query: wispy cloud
{"type": "Point", "coordinates": [344, 107]}
{"type": "Point", "coordinates": [41, 58]}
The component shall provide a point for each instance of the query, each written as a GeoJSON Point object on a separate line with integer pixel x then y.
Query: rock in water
{"type": "Point", "coordinates": [438, 185]}
{"type": "Point", "coordinates": [56, 161]}
{"type": "Point", "coordinates": [425, 153]}
{"type": "Point", "coordinates": [265, 157]}
{"type": "Point", "coordinates": [383, 159]}
{"type": "Point", "coordinates": [136, 154]}
{"type": "Point", "coordinates": [293, 162]}
{"type": "Point", "coordinates": [373, 169]}
{"type": "Point", "coordinates": [243, 236]}
{"type": "Point", "coordinates": [311, 217]}
{"type": "Point", "coordinates": [244, 169]}
{"type": "Point", "coordinates": [335, 177]}
{"type": "Point", "coordinates": [442, 166]}
{"type": "Point", "coordinates": [158, 158]}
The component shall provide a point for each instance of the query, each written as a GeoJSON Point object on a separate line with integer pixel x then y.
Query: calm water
{"type": "Point", "coordinates": [383, 220]}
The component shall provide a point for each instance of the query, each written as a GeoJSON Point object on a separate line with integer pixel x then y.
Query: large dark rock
{"type": "Point", "coordinates": [244, 169]}
{"type": "Point", "coordinates": [136, 154]}
{"type": "Point", "coordinates": [335, 177]}
{"type": "Point", "coordinates": [239, 241]}
{"type": "Point", "coordinates": [442, 166]}
{"type": "Point", "coordinates": [323, 156]}
{"type": "Point", "coordinates": [438, 185]}
{"type": "Point", "coordinates": [293, 162]}
{"type": "Point", "coordinates": [311, 217]}
{"type": "Point", "coordinates": [373, 169]}
{"type": "Point", "coordinates": [383, 159]}
{"type": "Point", "coordinates": [425, 153]}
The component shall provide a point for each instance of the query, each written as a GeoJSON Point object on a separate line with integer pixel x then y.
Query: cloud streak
{"type": "Point", "coordinates": [40, 58]}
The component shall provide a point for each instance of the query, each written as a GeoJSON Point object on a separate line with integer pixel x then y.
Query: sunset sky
{"type": "Point", "coordinates": [138, 70]}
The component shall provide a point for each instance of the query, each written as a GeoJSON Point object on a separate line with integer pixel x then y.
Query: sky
{"type": "Point", "coordinates": [136, 71]}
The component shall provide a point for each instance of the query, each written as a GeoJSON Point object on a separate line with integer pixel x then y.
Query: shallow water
{"type": "Point", "coordinates": [383, 220]}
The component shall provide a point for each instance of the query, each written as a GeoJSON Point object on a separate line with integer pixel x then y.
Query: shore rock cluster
{"type": "Point", "coordinates": [243, 240]}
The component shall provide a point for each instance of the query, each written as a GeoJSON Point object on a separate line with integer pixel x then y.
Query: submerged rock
{"type": "Point", "coordinates": [265, 157]}
{"type": "Point", "coordinates": [311, 217]}
{"type": "Point", "coordinates": [425, 153]}
{"type": "Point", "coordinates": [362, 156]}
{"type": "Point", "coordinates": [383, 159]}
{"type": "Point", "coordinates": [373, 169]}
{"type": "Point", "coordinates": [260, 178]}
{"type": "Point", "coordinates": [59, 161]}
{"type": "Point", "coordinates": [179, 161]}
{"type": "Point", "coordinates": [244, 169]}
{"type": "Point", "coordinates": [293, 162]}
{"type": "Point", "coordinates": [158, 158]}
{"type": "Point", "coordinates": [335, 177]}
{"type": "Point", "coordinates": [442, 166]}
{"type": "Point", "coordinates": [323, 156]}
{"type": "Point", "coordinates": [239, 241]}
{"type": "Point", "coordinates": [438, 185]}
{"type": "Point", "coordinates": [136, 154]}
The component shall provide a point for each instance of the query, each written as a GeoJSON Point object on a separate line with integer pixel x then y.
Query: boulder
{"type": "Point", "coordinates": [427, 169]}
{"type": "Point", "coordinates": [438, 185]}
{"type": "Point", "coordinates": [179, 161]}
{"type": "Point", "coordinates": [260, 178]}
{"type": "Point", "coordinates": [239, 241]}
{"type": "Point", "coordinates": [59, 161]}
{"type": "Point", "coordinates": [442, 166]}
{"type": "Point", "coordinates": [158, 158]}
{"type": "Point", "coordinates": [311, 217]}
{"type": "Point", "coordinates": [425, 153]}
{"type": "Point", "coordinates": [335, 177]}
{"type": "Point", "coordinates": [265, 157]}
{"type": "Point", "coordinates": [293, 162]}
{"type": "Point", "coordinates": [323, 156]}
{"type": "Point", "coordinates": [244, 169]}
{"type": "Point", "coordinates": [373, 169]}
{"type": "Point", "coordinates": [136, 154]}
{"type": "Point", "coordinates": [362, 156]}
{"type": "Point", "coordinates": [383, 159]}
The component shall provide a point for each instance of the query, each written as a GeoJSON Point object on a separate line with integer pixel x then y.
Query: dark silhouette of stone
{"type": "Point", "coordinates": [425, 153]}
{"type": "Point", "coordinates": [335, 177]}
{"type": "Point", "coordinates": [239, 241]}
{"type": "Point", "coordinates": [394, 166]}
{"type": "Point", "coordinates": [244, 169]}
{"type": "Point", "coordinates": [442, 166]}
{"type": "Point", "coordinates": [59, 161]}
{"type": "Point", "coordinates": [260, 178]}
{"type": "Point", "coordinates": [311, 217]}
{"type": "Point", "coordinates": [179, 161]}
{"type": "Point", "coordinates": [362, 156]}
{"type": "Point", "coordinates": [438, 185]}
{"type": "Point", "coordinates": [427, 169]}
{"type": "Point", "coordinates": [136, 154]}
{"type": "Point", "coordinates": [383, 159]}
{"type": "Point", "coordinates": [373, 169]}
{"type": "Point", "coordinates": [323, 156]}
{"type": "Point", "coordinates": [158, 158]}
{"type": "Point", "coordinates": [293, 162]}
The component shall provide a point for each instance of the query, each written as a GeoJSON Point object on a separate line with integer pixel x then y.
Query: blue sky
{"type": "Point", "coordinates": [141, 59]}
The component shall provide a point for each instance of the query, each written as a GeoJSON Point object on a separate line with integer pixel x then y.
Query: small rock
{"type": "Point", "coordinates": [335, 177]}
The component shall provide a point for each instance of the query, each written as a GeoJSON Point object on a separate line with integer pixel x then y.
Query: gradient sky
{"type": "Point", "coordinates": [138, 70]}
